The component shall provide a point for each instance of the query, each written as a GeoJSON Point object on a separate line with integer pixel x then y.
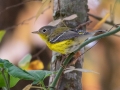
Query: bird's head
{"type": "Point", "coordinates": [45, 31]}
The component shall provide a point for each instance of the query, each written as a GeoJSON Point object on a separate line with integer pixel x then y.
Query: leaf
{"type": "Point", "coordinates": [71, 17]}
{"type": "Point", "coordinates": [71, 69]}
{"type": "Point", "coordinates": [17, 72]}
{"type": "Point", "coordinates": [44, 4]}
{"type": "Point", "coordinates": [35, 75]}
{"type": "Point", "coordinates": [36, 65]}
{"type": "Point", "coordinates": [13, 80]}
{"type": "Point", "coordinates": [1, 63]}
{"type": "Point", "coordinates": [56, 22]}
{"type": "Point", "coordinates": [25, 61]}
{"type": "Point", "coordinates": [27, 87]}
{"type": "Point", "coordinates": [40, 75]}
{"type": "Point", "coordinates": [99, 24]}
{"type": "Point", "coordinates": [2, 33]}
{"type": "Point", "coordinates": [43, 1]}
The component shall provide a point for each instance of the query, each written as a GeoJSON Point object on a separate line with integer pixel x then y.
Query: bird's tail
{"type": "Point", "coordinates": [86, 35]}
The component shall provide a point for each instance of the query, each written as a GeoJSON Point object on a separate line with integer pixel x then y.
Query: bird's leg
{"type": "Point", "coordinates": [62, 60]}
{"type": "Point", "coordinates": [75, 59]}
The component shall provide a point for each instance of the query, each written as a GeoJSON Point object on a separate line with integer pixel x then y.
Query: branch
{"type": "Point", "coordinates": [99, 18]}
{"type": "Point", "coordinates": [13, 6]}
{"type": "Point", "coordinates": [66, 61]}
{"type": "Point", "coordinates": [21, 23]}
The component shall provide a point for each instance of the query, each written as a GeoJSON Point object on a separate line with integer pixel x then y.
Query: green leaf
{"type": "Point", "coordinates": [3, 71]}
{"type": "Point", "coordinates": [1, 63]}
{"type": "Point", "coordinates": [13, 80]}
{"type": "Point", "coordinates": [17, 72]}
{"type": "Point", "coordinates": [1, 60]}
{"type": "Point", "coordinates": [40, 75]}
{"type": "Point", "coordinates": [24, 63]}
{"type": "Point", "coordinates": [36, 75]}
{"type": "Point", "coordinates": [2, 32]}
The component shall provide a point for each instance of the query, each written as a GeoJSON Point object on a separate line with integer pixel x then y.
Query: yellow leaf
{"type": "Point", "coordinates": [99, 24]}
{"type": "Point", "coordinates": [2, 33]}
{"type": "Point", "coordinates": [27, 87]}
{"type": "Point", "coordinates": [45, 3]}
{"type": "Point", "coordinates": [36, 65]}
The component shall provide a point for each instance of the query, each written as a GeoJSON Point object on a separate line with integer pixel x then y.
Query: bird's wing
{"type": "Point", "coordinates": [64, 36]}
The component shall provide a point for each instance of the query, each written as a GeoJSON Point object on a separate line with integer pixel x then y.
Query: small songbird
{"type": "Point", "coordinates": [63, 39]}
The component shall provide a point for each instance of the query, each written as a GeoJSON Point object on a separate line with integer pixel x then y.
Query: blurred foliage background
{"type": "Point", "coordinates": [18, 41]}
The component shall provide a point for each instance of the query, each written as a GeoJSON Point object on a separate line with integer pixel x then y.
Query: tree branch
{"type": "Point", "coordinates": [13, 6]}
{"type": "Point", "coordinates": [99, 18]}
{"type": "Point", "coordinates": [67, 60]}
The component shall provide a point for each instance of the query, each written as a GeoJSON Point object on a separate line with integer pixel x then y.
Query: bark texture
{"type": "Point", "coordinates": [64, 8]}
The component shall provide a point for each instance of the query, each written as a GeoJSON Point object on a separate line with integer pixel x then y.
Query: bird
{"type": "Point", "coordinates": [63, 40]}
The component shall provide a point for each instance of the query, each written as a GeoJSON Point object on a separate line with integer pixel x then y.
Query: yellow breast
{"type": "Point", "coordinates": [61, 47]}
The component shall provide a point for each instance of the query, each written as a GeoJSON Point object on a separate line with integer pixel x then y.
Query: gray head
{"type": "Point", "coordinates": [46, 30]}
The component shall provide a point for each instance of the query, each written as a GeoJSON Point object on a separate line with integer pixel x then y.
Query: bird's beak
{"type": "Point", "coordinates": [36, 32]}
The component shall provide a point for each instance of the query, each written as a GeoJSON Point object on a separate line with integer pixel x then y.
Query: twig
{"type": "Point", "coordinates": [38, 53]}
{"type": "Point", "coordinates": [112, 11]}
{"type": "Point", "coordinates": [21, 23]}
{"type": "Point", "coordinates": [98, 37]}
{"type": "Point", "coordinates": [99, 18]}
{"type": "Point", "coordinates": [97, 42]}
{"type": "Point", "coordinates": [16, 5]}
{"type": "Point", "coordinates": [83, 24]}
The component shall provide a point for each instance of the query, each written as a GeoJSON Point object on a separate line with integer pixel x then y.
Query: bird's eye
{"type": "Point", "coordinates": [44, 30]}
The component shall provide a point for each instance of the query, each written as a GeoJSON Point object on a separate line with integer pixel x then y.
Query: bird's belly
{"type": "Point", "coordinates": [64, 47]}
